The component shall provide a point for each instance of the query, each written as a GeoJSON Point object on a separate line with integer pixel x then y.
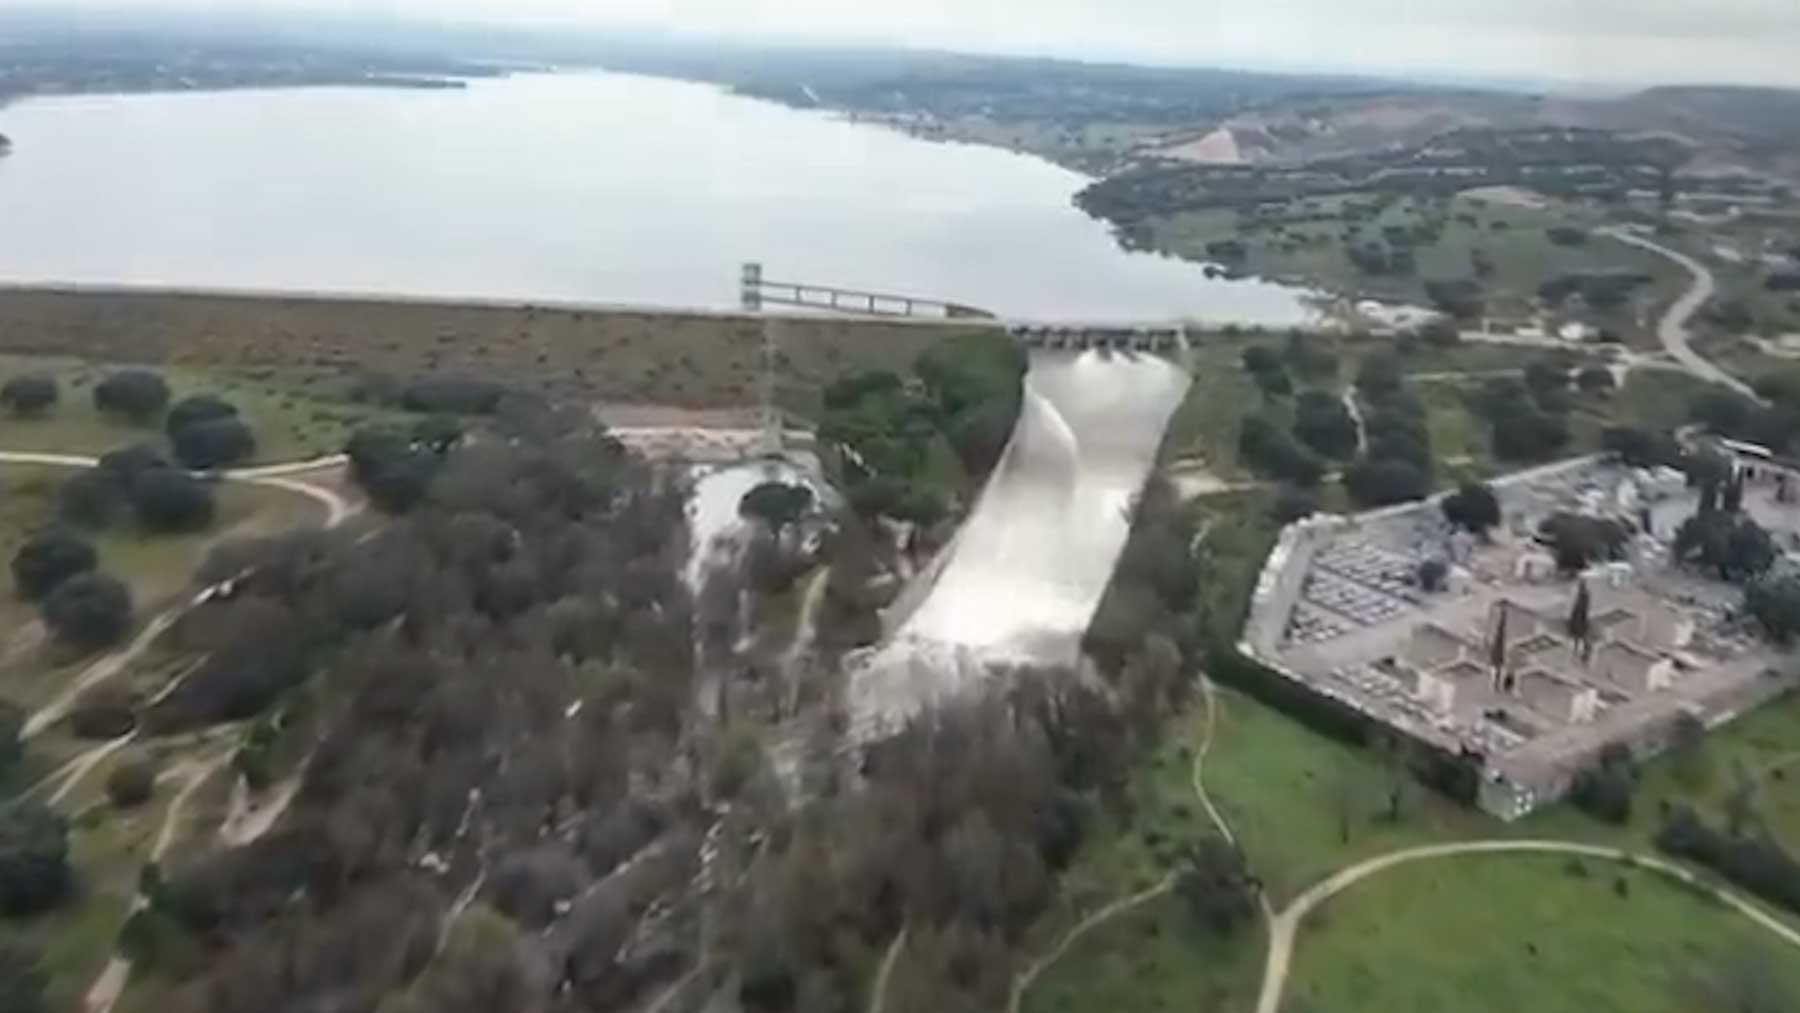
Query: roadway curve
{"type": "Point", "coordinates": [1284, 926]}
{"type": "Point", "coordinates": [1673, 330]}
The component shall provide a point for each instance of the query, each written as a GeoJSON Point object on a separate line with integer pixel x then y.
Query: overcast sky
{"type": "Point", "coordinates": [1600, 40]}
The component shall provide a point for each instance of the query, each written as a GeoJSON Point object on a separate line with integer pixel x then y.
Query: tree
{"type": "Point", "coordinates": [1641, 448]}
{"type": "Point", "coordinates": [1294, 504]}
{"type": "Point", "coordinates": [1604, 790]}
{"type": "Point", "coordinates": [12, 730]}
{"type": "Point", "coordinates": [22, 979]}
{"type": "Point", "coordinates": [1473, 507]}
{"type": "Point", "coordinates": [1431, 574]}
{"type": "Point", "coordinates": [131, 784]}
{"type": "Point", "coordinates": [454, 395]}
{"type": "Point", "coordinates": [29, 396]}
{"type": "Point", "coordinates": [1268, 449]}
{"type": "Point", "coordinates": [1580, 620]}
{"type": "Point", "coordinates": [137, 395]}
{"type": "Point", "coordinates": [1775, 603]}
{"type": "Point", "coordinates": [34, 857]}
{"type": "Point", "coordinates": [1577, 540]}
{"type": "Point", "coordinates": [1323, 423]}
{"type": "Point", "coordinates": [1529, 435]}
{"type": "Point", "coordinates": [1216, 885]}
{"type": "Point", "coordinates": [196, 409]}
{"type": "Point", "coordinates": [438, 433]}
{"type": "Point", "coordinates": [1374, 483]}
{"type": "Point", "coordinates": [1733, 545]}
{"type": "Point", "coordinates": [214, 443]}
{"type": "Point", "coordinates": [393, 471]}
{"type": "Point", "coordinates": [49, 558]}
{"type": "Point", "coordinates": [776, 504]}
{"type": "Point", "coordinates": [169, 500]}
{"type": "Point", "coordinates": [89, 610]}
{"type": "Point", "coordinates": [1595, 380]}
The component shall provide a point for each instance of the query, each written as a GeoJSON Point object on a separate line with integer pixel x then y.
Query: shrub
{"type": "Point", "coordinates": [171, 500]}
{"type": "Point", "coordinates": [34, 858]}
{"type": "Point", "coordinates": [214, 443]}
{"type": "Point", "coordinates": [1473, 507]}
{"type": "Point", "coordinates": [91, 499]}
{"type": "Point", "coordinates": [102, 714]}
{"type": "Point", "coordinates": [89, 610]}
{"type": "Point", "coordinates": [1385, 481]}
{"type": "Point", "coordinates": [199, 408]}
{"type": "Point", "coordinates": [29, 396]}
{"type": "Point", "coordinates": [138, 395]}
{"type": "Point", "coordinates": [48, 559]}
{"type": "Point", "coordinates": [454, 395]}
{"type": "Point", "coordinates": [131, 784]}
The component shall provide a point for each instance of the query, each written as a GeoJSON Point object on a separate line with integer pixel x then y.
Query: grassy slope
{"type": "Point", "coordinates": [294, 414]}
{"type": "Point", "coordinates": [1520, 933]}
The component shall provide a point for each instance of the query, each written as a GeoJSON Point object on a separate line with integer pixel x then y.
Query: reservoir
{"type": "Point", "coordinates": [586, 187]}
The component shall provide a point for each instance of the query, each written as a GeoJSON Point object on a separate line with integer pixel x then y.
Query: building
{"type": "Point", "coordinates": [1556, 696]}
{"type": "Point", "coordinates": [1632, 668]}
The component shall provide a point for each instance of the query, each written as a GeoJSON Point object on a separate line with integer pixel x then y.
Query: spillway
{"type": "Point", "coordinates": [1022, 578]}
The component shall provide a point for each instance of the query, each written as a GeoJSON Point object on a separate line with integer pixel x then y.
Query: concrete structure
{"type": "Point", "coordinates": [1338, 610]}
{"type": "Point", "coordinates": [1556, 696]}
{"type": "Point", "coordinates": [758, 291]}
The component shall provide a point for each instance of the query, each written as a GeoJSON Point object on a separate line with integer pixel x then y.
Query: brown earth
{"type": "Point", "coordinates": [686, 360]}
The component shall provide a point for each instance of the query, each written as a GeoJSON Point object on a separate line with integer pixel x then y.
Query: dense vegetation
{"type": "Point", "coordinates": [891, 432]}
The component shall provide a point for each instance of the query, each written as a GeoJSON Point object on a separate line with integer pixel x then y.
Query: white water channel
{"type": "Point", "coordinates": [1023, 577]}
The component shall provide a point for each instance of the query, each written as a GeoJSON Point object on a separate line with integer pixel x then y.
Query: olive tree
{"type": "Point", "coordinates": [89, 610]}
{"type": "Point", "coordinates": [137, 395]}
{"type": "Point", "coordinates": [29, 396]}
{"type": "Point", "coordinates": [49, 558]}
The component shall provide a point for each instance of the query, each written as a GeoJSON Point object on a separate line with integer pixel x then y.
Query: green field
{"type": "Point", "coordinates": [1304, 805]}
{"type": "Point", "coordinates": [1310, 249]}
{"type": "Point", "coordinates": [295, 414]}
{"type": "Point", "coordinates": [1526, 932]}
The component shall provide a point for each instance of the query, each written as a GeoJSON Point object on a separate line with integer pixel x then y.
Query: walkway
{"type": "Point", "coordinates": [1284, 926]}
{"type": "Point", "coordinates": [337, 510]}
{"type": "Point", "coordinates": [1126, 904]}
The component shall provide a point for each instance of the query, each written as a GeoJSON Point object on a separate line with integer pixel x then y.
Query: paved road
{"type": "Point", "coordinates": [1286, 924]}
{"type": "Point", "coordinates": [1673, 330]}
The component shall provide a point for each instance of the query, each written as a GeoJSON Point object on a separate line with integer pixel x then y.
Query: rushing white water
{"type": "Point", "coordinates": [1025, 574]}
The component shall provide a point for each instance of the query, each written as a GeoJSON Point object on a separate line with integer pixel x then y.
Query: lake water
{"type": "Point", "coordinates": [586, 187]}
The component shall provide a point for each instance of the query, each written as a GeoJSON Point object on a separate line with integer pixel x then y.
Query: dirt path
{"type": "Point", "coordinates": [1285, 925]}
{"type": "Point", "coordinates": [337, 510]}
{"type": "Point", "coordinates": [82, 765]}
{"type": "Point", "coordinates": [1126, 904]}
{"type": "Point", "coordinates": [1673, 329]}
{"type": "Point", "coordinates": [106, 989]}
{"type": "Point", "coordinates": [878, 995]}
{"type": "Point", "coordinates": [1354, 410]}
{"type": "Point", "coordinates": [102, 670]}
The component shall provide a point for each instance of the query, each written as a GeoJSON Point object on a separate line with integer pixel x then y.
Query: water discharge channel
{"type": "Point", "coordinates": [1021, 580]}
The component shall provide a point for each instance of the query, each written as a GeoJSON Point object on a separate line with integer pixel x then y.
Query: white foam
{"type": "Point", "coordinates": [1027, 570]}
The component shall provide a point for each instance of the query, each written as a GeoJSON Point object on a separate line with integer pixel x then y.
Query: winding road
{"type": "Point", "coordinates": [1673, 330]}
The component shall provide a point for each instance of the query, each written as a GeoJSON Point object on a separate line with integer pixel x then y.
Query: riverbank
{"type": "Point", "coordinates": [617, 354]}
